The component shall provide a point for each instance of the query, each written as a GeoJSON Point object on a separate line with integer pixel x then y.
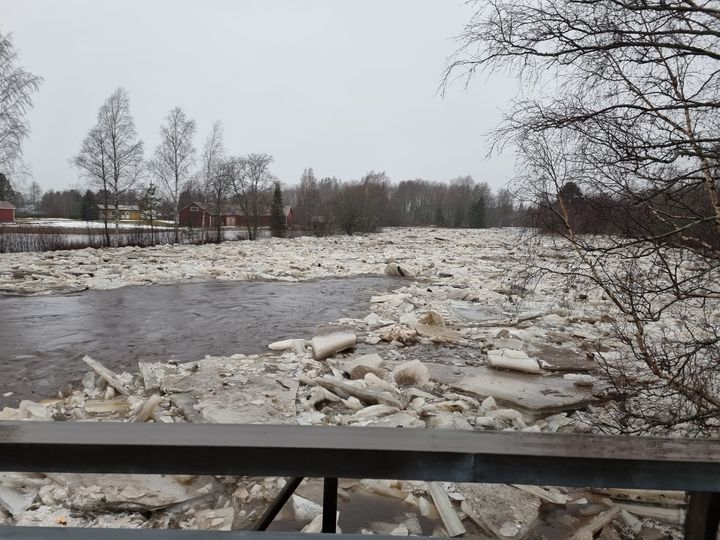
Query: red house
{"type": "Point", "coordinates": [7, 212]}
{"type": "Point", "coordinates": [198, 214]}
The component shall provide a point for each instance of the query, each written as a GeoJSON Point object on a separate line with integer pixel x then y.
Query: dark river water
{"type": "Point", "coordinates": [43, 338]}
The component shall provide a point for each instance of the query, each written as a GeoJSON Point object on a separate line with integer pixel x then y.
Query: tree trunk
{"type": "Point", "coordinates": [176, 220]}
{"type": "Point", "coordinates": [248, 222]}
{"type": "Point", "coordinates": [105, 218]}
{"type": "Point", "coordinates": [219, 227]}
{"type": "Point", "coordinates": [117, 222]}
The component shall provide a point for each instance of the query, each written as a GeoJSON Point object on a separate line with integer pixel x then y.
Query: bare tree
{"type": "Point", "coordinates": [173, 159]}
{"type": "Point", "coordinates": [123, 150]}
{"type": "Point", "coordinates": [16, 89]}
{"type": "Point", "coordinates": [215, 174]}
{"type": "Point", "coordinates": [252, 183]}
{"type": "Point", "coordinates": [324, 222]}
{"type": "Point", "coordinates": [628, 136]}
{"type": "Point", "coordinates": [504, 209]}
{"type": "Point", "coordinates": [110, 155]}
{"type": "Point", "coordinates": [34, 194]}
{"type": "Point", "coordinates": [458, 200]}
{"type": "Point", "coordinates": [94, 164]}
{"type": "Point", "coordinates": [360, 206]}
{"type": "Point", "coordinates": [375, 195]}
{"type": "Point", "coordinates": [415, 202]}
{"type": "Point", "coordinates": [307, 200]}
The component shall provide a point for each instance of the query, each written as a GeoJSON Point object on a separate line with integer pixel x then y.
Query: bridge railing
{"type": "Point", "coordinates": [581, 460]}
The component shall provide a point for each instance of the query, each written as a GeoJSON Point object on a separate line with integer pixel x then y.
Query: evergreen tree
{"type": "Point", "coordinates": [7, 193]}
{"type": "Point", "coordinates": [477, 214]}
{"type": "Point", "coordinates": [277, 214]}
{"type": "Point", "coordinates": [89, 209]}
{"type": "Point", "coordinates": [150, 203]}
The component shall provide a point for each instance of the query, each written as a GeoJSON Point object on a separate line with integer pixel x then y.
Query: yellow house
{"type": "Point", "coordinates": [126, 212]}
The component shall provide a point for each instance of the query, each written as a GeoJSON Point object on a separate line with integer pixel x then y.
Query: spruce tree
{"type": "Point", "coordinates": [477, 214]}
{"type": "Point", "coordinates": [277, 214]}
{"type": "Point", "coordinates": [150, 202]}
{"type": "Point", "coordinates": [7, 193]}
{"type": "Point", "coordinates": [89, 209]}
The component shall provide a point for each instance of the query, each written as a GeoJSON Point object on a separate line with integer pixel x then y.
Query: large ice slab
{"type": "Point", "coordinates": [533, 394]}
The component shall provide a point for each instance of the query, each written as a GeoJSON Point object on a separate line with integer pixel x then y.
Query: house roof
{"type": "Point", "coordinates": [121, 207]}
{"type": "Point", "coordinates": [4, 205]}
{"type": "Point", "coordinates": [228, 209]}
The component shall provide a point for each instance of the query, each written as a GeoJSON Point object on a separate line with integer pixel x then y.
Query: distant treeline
{"type": "Point", "coordinates": [677, 215]}
{"type": "Point", "coordinates": [331, 205]}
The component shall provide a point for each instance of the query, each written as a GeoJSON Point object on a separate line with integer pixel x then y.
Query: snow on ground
{"type": "Point", "coordinates": [61, 223]}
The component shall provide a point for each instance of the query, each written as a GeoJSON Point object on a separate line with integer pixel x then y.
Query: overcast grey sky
{"type": "Point", "coordinates": [341, 86]}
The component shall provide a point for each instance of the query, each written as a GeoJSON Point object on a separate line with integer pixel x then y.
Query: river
{"type": "Point", "coordinates": [43, 338]}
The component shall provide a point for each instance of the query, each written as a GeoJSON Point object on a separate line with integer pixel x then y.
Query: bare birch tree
{"type": "Point", "coordinates": [93, 162]}
{"type": "Point", "coordinates": [252, 185]}
{"type": "Point", "coordinates": [628, 134]}
{"type": "Point", "coordinates": [173, 159]}
{"type": "Point", "coordinates": [307, 201]}
{"type": "Point", "coordinates": [34, 195]}
{"type": "Point", "coordinates": [111, 155]}
{"type": "Point", "coordinates": [124, 151]}
{"type": "Point", "coordinates": [16, 89]}
{"type": "Point", "coordinates": [214, 174]}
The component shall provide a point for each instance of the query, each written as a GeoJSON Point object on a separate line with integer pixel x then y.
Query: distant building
{"type": "Point", "coordinates": [199, 214]}
{"type": "Point", "coordinates": [7, 212]}
{"type": "Point", "coordinates": [126, 212]}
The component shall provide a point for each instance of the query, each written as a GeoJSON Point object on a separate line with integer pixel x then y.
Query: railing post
{"type": "Point", "coordinates": [329, 515]}
{"type": "Point", "coordinates": [703, 516]}
{"type": "Point", "coordinates": [270, 514]}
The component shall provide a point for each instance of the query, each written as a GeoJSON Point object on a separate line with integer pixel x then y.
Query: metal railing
{"type": "Point", "coordinates": [580, 460]}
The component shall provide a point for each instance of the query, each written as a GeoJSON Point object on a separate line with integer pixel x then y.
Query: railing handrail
{"type": "Point", "coordinates": [351, 452]}
{"type": "Point", "coordinates": [354, 452]}
{"type": "Point", "coordinates": [74, 533]}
